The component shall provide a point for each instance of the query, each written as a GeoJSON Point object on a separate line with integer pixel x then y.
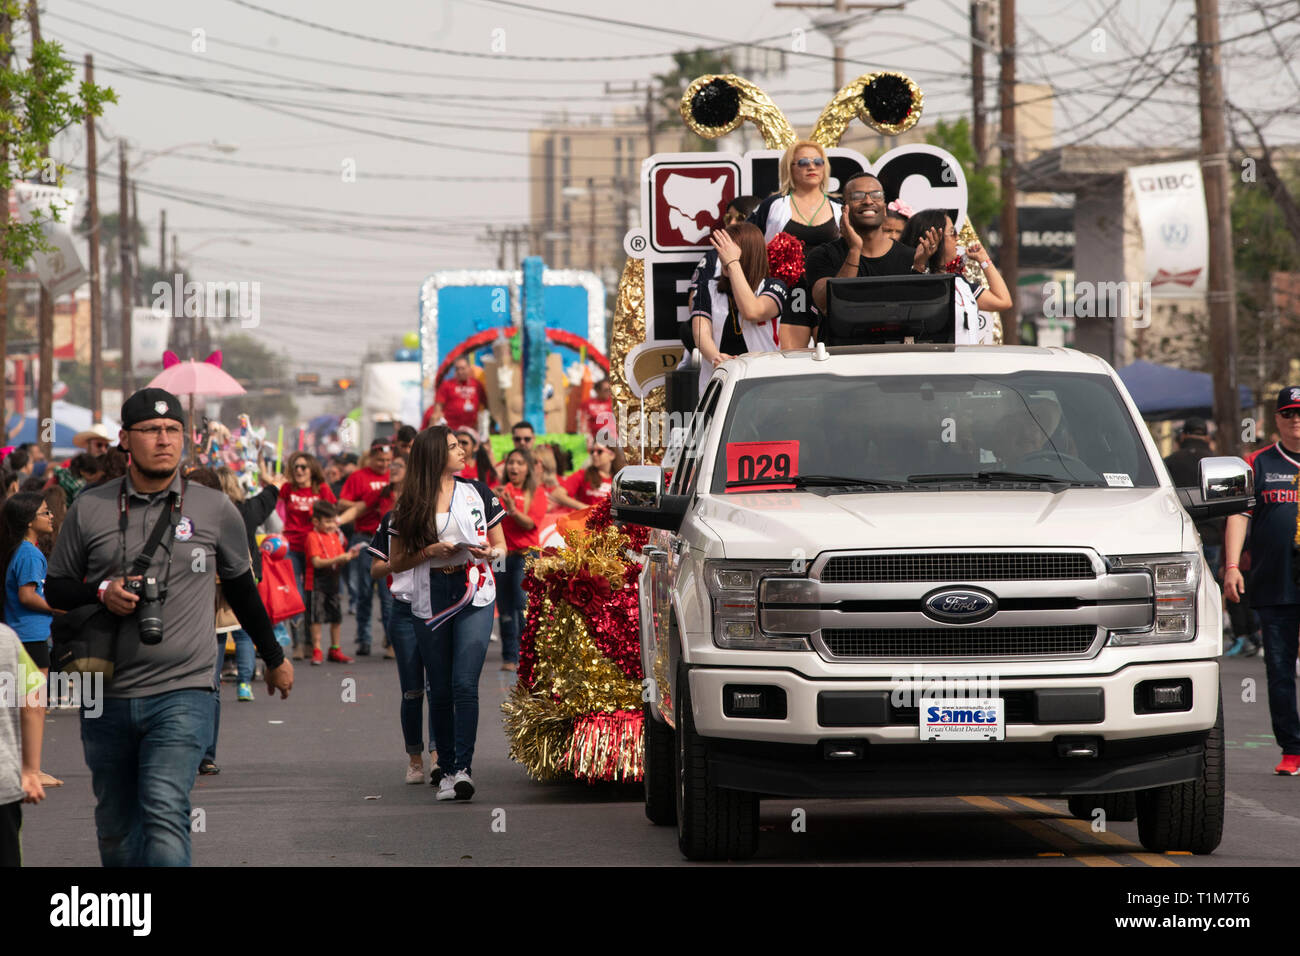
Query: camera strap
{"type": "Point", "coordinates": [167, 522]}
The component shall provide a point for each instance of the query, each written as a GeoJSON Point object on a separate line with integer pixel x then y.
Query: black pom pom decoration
{"type": "Point", "coordinates": [888, 99]}
{"type": "Point", "coordinates": [716, 104]}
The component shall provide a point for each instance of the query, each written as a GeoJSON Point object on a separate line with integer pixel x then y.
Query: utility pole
{"type": "Point", "coordinates": [591, 223]}
{"type": "Point", "coordinates": [137, 240]}
{"type": "Point", "coordinates": [162, 239]}
{"type": "Point", "coordinates": [516, 234]}
{"type": "Point", "coordinates": [6, 44]}
{"type": "Point", "coordinates": [834, 23]}
{"type": "Point", "coordinates": [96, 303]}
{"type": "Point", "coordinates": [1010, 249]}
{"type": "Point", "coordinates": [45, 318]}
{"type": "Point", "coordinates": [1222, 294]}
{"type": "Point", "coordinates": [176, 254]}
{"type": "Point", "coordinates": [978, 31]}
{"type": "Point", "coordinates": [124, 266]}
{"type": "Point", "coordinates": [649, 117]}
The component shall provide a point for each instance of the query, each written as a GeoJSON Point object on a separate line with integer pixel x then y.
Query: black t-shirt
{"type": "Point", "coordinates": [825, 261]}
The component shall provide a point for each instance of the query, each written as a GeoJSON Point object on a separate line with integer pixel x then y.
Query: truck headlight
{"type": "Point", "coordinates": [1176, 578]}
{"type": "Point", "coordinates": [733, 586]}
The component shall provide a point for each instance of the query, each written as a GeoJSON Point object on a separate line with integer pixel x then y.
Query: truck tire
{"type": "Point", "coordinates": [1188, 816]}
{"type": "Point", "coordinates": [1120, 807]}
{"type": "Point", "coordinates": [660, 771]}
{"type": "Point", "coordinates": [712, 823]}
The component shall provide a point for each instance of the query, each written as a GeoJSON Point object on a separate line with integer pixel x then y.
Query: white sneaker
{"type": "Point", "coordinates": [414, 774]}
{"type": "Point", "coordinates": [462, 785]}
{"type": "Point", "coordinates": [446, 788]}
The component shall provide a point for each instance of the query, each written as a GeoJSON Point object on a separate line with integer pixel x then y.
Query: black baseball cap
{"type": "Point", "coordinates": [1195, 426]}
{"type": "Point", "coordinates": [150, 403]}
{"type": "Point", "coordinates": [1289, 397]}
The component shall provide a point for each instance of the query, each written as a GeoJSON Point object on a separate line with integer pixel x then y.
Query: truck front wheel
{"type": "Point", "coordinates": [660, 771]}
{"type": "Point", "coordinates": [1187, 816]}
{"type": "Point", "coordinates": [712, 823]}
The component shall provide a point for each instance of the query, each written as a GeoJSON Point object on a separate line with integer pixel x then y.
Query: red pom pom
{"type": "Point", "coordinates": [785, 258]}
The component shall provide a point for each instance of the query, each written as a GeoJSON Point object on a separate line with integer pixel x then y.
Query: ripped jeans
{"type": "Point", "coordinates": [411, 674]}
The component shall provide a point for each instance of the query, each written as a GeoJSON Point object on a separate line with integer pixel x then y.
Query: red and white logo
{"type": "Point", "coordinates": [688, 201]}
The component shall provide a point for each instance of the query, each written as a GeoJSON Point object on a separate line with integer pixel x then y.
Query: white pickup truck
{"type": "Point", "coordinates": [927, 570]}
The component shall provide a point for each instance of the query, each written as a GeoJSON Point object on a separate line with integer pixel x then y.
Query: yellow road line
{"type": "Point", "coordinates": [1041, 831]}
{"type": "Point", "coordinates": [1104, 836]}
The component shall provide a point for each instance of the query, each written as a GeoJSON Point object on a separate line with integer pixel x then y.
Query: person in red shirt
{"type": "Point", "coordinates": [596, 415]}
{"type": "Point", "coordinates": [433, 416]}
{"type": "Point", "coordinates": [364, 490]}
{"type": "Point", "coordinates": [462, 396]}
{"type": "Point", "coordinates": [525, 506]}
{"type": "Point", "coordinates": [325, 559]}
{"type": "Point", "coordinates": [306, 484]}
{"type": "Point", "coordinates": [582, 489]}
{"type": "Point", "coordinates": [478, 462]}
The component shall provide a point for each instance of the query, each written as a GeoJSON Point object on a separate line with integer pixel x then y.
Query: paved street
{"type": "Point", "coordinates": [316, 781]}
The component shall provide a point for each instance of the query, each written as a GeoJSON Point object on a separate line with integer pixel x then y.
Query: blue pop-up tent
{"type": "Point", "coordinates": [1162, 392]}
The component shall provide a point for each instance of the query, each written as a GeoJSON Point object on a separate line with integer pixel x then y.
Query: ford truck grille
{"type": "Point", "coordinates": [964, 642]}
{"type": "Point", "coordinates": [988, 566]}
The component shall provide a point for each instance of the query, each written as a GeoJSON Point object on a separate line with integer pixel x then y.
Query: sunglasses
{"type": "Point", "coordinates": [301, 467]}
{"type": "Point", "coordinates": [523, 439]}
{"type": "Point", "coordinates": [807, 163]}
{"type": "Point", "coordinates": [1290, 413]}
{"type": "Point", "coordinates": [877, 195]}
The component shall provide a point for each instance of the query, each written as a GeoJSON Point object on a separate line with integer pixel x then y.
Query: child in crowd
{"type": "Point", "coordinates": [22, 725]}
{"type": "Point", "coordinates": [325, 556]}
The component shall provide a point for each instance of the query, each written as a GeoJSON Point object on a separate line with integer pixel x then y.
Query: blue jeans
{"type": "Point", "coordinates": [511, 601]}
{"type": "Point", "coordinates": [410, 644]}
{"type": "Point", "coordinates": [457, 649]}
{"type": "Point", "coordinates": [211, 752]}
{"type": "Point", "coordinates": [1281, 625]}
{"type": "Point", "coordinates": [245, 656]}
{"type": "Point", "coordinates": [364, 590]}
{"type": "Point", "coordinates": [143, 754]}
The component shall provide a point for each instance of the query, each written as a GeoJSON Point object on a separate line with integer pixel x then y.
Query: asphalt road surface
{"type": "Point", "coordinates": [317, 781]}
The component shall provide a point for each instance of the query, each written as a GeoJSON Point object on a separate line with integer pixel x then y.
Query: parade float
{"type": "Point", "coordinates": [576, 710]}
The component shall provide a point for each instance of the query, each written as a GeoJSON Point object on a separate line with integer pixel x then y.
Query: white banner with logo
{"type": "Point", "coordinates": [1175, 228]}
{"type": "Point", "coordinates": [149, 331]}
{"type": "Point", "coordinates": [59, 270]}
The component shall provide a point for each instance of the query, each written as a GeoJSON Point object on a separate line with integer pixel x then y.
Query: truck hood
{"type": "Point", "coordinates": [1110, 520]}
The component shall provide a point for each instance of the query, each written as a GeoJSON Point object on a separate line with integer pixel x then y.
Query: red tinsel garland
{"type": "Point", "coordinates": [785, 258]}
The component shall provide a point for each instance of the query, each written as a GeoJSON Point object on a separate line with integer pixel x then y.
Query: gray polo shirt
{"type": "Point", "coordinates": [210, 540]}
{"type": "Point", "coordinates": [16, 669]}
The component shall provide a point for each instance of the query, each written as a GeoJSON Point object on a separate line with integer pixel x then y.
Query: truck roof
{"type": "Point", "coordinates": [918, 359]}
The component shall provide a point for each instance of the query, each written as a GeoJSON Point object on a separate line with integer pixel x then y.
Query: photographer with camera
{"type": "Point", "coordinates": [149, 547]}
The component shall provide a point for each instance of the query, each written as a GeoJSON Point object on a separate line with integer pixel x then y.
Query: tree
{"type": "Point", "coordinates": [982, 200]}
{"type": "Point", "coordinates": [263, 374]}
{"type": "Point", "coordinates": [673, 84]}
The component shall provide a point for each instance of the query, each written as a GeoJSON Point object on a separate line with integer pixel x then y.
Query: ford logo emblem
{"type": "Point", "coordinates": [960, 605]}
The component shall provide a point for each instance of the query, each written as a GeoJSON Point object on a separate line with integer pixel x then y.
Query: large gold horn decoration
{"type": "Point", "coordinates": [887, 101]}
{"type": "Point", "coordinates": [713, 106]}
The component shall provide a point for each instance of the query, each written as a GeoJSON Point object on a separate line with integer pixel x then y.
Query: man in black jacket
{"type": "Point", "coordinates": [144, 749]}
{"type": "Point", "coordinates": [1185, 469]}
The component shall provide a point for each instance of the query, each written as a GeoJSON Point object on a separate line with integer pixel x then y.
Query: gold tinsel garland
{"type": "Point", "coordinates": [848, 103]}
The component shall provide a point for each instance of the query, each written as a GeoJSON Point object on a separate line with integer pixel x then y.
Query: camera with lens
{"type": "Point", "coordinates": [148, 610]}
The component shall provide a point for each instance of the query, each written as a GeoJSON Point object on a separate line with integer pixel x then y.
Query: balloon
{"type": "Point", "coordinates": [411, 340]}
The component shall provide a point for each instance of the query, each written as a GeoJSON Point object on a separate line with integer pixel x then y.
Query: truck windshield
{"type": "Point", "coordinates": [1026, 430]}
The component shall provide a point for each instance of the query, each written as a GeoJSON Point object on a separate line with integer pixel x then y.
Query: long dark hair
{"type": "Point", "coordinates": [594, 479]}
{"type": "Point", "coordinates": [16, 517]}
{"type": "Point", "coordinates": [921, 223]}
{"type": "Point", "coordinates": [753, 255]}
{"type": "Point", "coordinates": [317, 476]}
{"type": "Point", "coordinates": [415, 516]}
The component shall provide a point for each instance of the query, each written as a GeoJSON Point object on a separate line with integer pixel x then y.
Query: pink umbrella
{"type": "Point", "coordinates": [195, 378]}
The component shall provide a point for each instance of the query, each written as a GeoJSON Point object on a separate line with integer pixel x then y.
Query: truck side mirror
{"type": "Point", "coordinates": [638, 497]}
{"type": "Point", "coordinates": [1225, 489]}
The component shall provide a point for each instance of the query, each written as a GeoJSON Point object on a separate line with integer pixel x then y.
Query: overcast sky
{"type": "Point", "coordinates": [342, 262]}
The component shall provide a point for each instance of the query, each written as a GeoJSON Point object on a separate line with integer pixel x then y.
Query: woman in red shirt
{"type": "Point", "coordinates": [306, 484]}
{"type": "Point", "coordinates": [525, 506]}
{"type": "Point", "coordinates": [582, 489]}
{"type": "Point", "coordinates": [478, 461]}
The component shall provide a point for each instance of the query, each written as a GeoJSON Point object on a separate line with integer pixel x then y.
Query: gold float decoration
{"type": "Point", "coordinates": [848, 103]}
{"type": "Point", "coordinates": [754, 105]}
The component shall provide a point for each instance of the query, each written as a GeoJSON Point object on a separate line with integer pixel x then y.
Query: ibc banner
{"type": "Point", "coordinates": [1175, 227]}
